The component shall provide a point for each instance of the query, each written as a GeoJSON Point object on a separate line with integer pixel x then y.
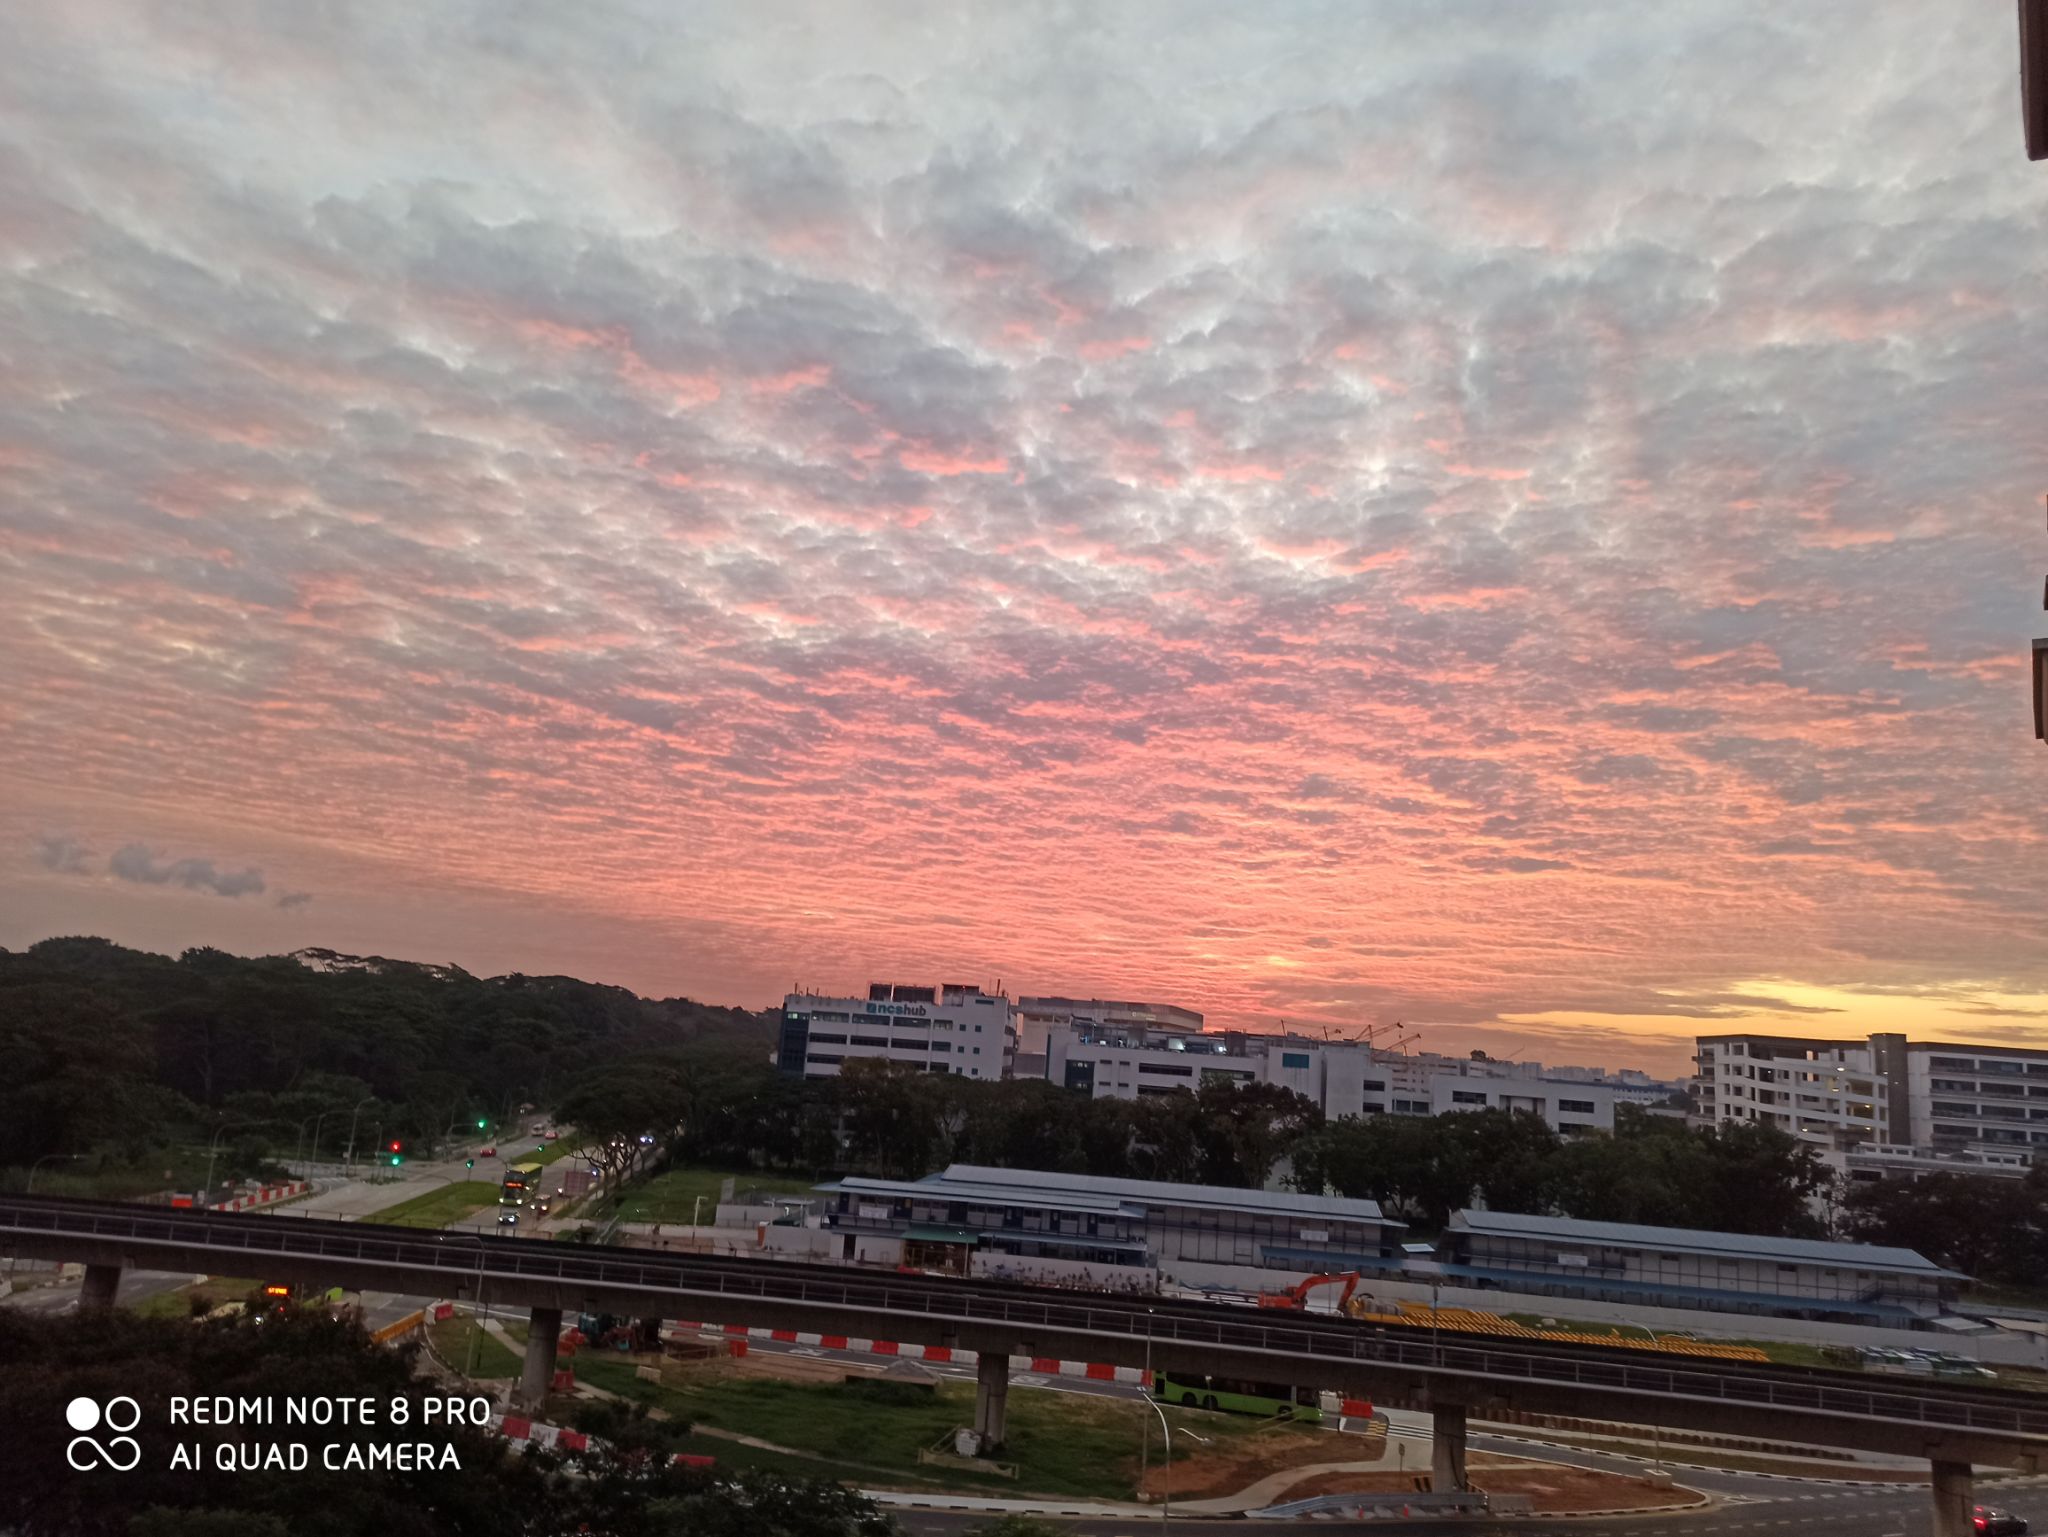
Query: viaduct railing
{"type": "Point", "coordinates": [1835, 1407]}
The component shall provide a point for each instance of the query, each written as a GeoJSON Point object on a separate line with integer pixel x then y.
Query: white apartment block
{"type": "Point", "coordinates": [1343, 1077]}
{"type": "Point", "coordinates": [946, 1029]}
{"type": "Point", "coordinates": [1881, 1092]}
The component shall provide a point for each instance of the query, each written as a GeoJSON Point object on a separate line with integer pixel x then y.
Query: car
{"type": "Point", "coordinates": [1993, 1522]}
{"type": "Point", "coordinates": [508, 1218]}
{"type": "Point", "coordinates": [540, 1208]}
{"type": "Point", "coordinates": [488, 1152]}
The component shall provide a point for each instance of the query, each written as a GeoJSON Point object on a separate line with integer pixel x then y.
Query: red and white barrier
{"type": "Point", "coordinates": [522, 1430]}
{"type": "Point", "coordinates": [1044, 1366]}
{"type": "Point", "coordinates": [269, 1195]}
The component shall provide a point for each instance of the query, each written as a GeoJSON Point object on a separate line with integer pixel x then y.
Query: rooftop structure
{"type": "Point", "coordinates": [1678, 1267]}
{"type": "Point", "coordinates": [952, 1028]}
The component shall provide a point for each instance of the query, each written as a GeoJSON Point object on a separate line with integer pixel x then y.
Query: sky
{"type": "Point", "coordinates": [1523, 520]}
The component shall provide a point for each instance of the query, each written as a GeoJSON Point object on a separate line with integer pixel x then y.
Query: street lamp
{"type": "Point", "coordinates": [477, 1324]}
{"type": "Point", "coordinates": [46, 1158]}
{"type": "Point", "coordinates": [1166, 1488]}
{"type": "Point", "coordinates": [349, 1157]}
{"type": "Point", "coordinates": [206, 1196]}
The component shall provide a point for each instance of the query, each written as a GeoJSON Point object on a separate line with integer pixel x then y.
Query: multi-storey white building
{"type": "Point", "coordinates": [1037, 1016]}
{"type": "Point", "coordinates": [946, 1029]}
{"type": "Point", "coordinates": [1846, 1096]}
{"type": "Point", "coordinates": [1343, 1077]}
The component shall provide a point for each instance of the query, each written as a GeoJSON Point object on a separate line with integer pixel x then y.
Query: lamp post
{"type": "Point", "coordinates": [1145, 1432]}
{"type": "Point", "coordinates": [697, 1212]}
{"type": "Point", "coordinates": [1166, 1488]}
{"type": "Point", "coordinates": [46, 1158]}
{"type": "Point", "coordinates": [206, 1196]}
{"type": "Point", "coordinates": [349, 1157]}
{"type": "Point", "coordinates": [1436, 1354]}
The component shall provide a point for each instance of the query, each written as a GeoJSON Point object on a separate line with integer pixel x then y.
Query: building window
{"type": "Point", "coordinates": [1294, 1059]}
{"type": "Point", "coordinates": [1575, 1106]}
{"type": "Point", "coordinates": [1467, 1097]}
{"type": "Point", "coordinates": [829, 1040]}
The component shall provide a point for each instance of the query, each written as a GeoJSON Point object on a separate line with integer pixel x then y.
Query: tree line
{"type": "Point", "coordinates": [115, 1053]}
{"type": "Point", "coordinates": [118, 1054]}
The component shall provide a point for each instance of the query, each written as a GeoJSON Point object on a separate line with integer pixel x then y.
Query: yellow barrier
{"type": "Point", "coordinates": [404, 1326]}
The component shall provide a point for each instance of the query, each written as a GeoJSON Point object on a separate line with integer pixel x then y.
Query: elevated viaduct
{"type": "Point", "coordinates": [1952, 1426]}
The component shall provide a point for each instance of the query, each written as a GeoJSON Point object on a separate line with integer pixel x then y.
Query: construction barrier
{"type": "Point", "coordinates": [269, 1195]}
{"type": "Point", "coordinates": [404, 1326]}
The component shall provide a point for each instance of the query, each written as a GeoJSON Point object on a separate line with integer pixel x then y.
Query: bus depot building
{"type": "Point", "coordinates": [1667, 1267]}
{"type": "Point", "coordinates": [1025, 1224]}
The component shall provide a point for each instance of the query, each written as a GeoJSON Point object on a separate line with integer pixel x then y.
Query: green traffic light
{"type": "Point", "coordinates": [397, 1159]}
{"type": "Point", "coordinates": [469, 1163]}
{"type": "Point", "coordinates": [480, 1124]}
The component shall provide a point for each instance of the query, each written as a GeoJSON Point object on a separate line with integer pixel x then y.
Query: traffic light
{"type": "Point", "coordinates": [394, 1147]}
{"type": "Point", "coordinates": [480, 1123]}
{"type": "Point", "coordinates": [397, 1159]}
{"type": "Point", "coordinates": [469, 1163]}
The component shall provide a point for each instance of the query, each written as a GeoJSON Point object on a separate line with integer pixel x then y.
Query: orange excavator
{"type": "Point", "coordinates": [1295, 1297]}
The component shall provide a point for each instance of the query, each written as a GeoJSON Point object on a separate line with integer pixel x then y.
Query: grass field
{"type": "Point", "coordinates": [214, 1290]}
{"type": "Point", "coordinates": [438, 1208]}
{"type": "Point", "coordinates": [451, 1339]}
{"type": "Point", "coordinates": [1063, 1444]}
{"type": "Point", "coordinates": [672, 1197]}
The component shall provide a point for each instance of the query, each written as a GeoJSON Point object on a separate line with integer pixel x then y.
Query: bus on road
{"type": "Point", "coordinates": [1233, 1395]}
{"type": "Point", "coordinates": [521, 1180]}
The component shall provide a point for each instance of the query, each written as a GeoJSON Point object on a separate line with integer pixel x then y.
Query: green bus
{"type": "Point", "coordinates": [521, 1180]}
{"type": "Point", "coordinates": [1233, 1395]}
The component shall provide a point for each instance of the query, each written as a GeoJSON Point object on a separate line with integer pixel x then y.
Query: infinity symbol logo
{"type": "Point", "coordinates": [121, 1452]}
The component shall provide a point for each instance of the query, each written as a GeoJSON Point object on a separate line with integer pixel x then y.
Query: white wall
{"type": "Point", "coordinates": [1012, 1267]}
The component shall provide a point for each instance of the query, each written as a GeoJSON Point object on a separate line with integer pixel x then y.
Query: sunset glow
{"type": "Point", "coordinates": [1313, 516]}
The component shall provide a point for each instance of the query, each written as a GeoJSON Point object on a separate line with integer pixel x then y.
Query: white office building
{"type": "Point", "coordinates": [1343, 1077]}
{"type": "Point", "coordinates": [1849, 1096]}
{"type": "Point", "coordinates": [950, 1028]}
{"type": "Point", "coordinates": [1037, 1017]}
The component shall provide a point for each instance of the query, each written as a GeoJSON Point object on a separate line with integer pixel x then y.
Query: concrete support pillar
{"type": "Point", "coordinates": [1447, 1449]}
{"type": "Point", "coordinates": [543, 1330]}
{"type": "Point", "coordinates": [1954, 1503]}
{"type": "Point", "coordinates": [98, 1288]}
{"type": "Point", "coordinates": [991, 1398]}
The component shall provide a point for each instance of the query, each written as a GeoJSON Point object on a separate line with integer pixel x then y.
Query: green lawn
{"type": "Point", "coordinates": [451, 1339]}
{"type": "Point", "coordinates": [672, 1197]}
{"type": "Point", "coordinates": [438, 1208]}
{"type": "Point", "coordinates": [214, 1290]}
{"type": "Point", "coordinates": [1063, 1444]}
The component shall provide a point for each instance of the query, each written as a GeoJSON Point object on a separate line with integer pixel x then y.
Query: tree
{"type": "Point", "coordinates": [613, 1108]}
{"type": "Point", "coordinates": [1243, 1129]}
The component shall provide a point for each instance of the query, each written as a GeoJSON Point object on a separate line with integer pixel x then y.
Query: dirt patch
{"type": "Point", "coordinates": [1228, 1466]}
{"type": "Point", "coordinates": [1554, 1490]}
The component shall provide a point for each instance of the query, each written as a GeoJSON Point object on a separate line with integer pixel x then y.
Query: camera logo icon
{"type": "Point", "coordinates": [121, 1452]}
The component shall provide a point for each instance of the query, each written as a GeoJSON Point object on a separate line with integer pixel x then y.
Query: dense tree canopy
{"type": "Point", "coordinates": [1993, 1229]}
{"type": "Point", "coordinates": [1736, 1179]}
{"type": "Point", "coordinates": [117, 1050]}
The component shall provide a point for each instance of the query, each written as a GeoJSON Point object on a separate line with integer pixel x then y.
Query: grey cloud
{"type": "Point", "coordinates": [62, 853]}
{"type": "Point", "coordinates": [136, 862]}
